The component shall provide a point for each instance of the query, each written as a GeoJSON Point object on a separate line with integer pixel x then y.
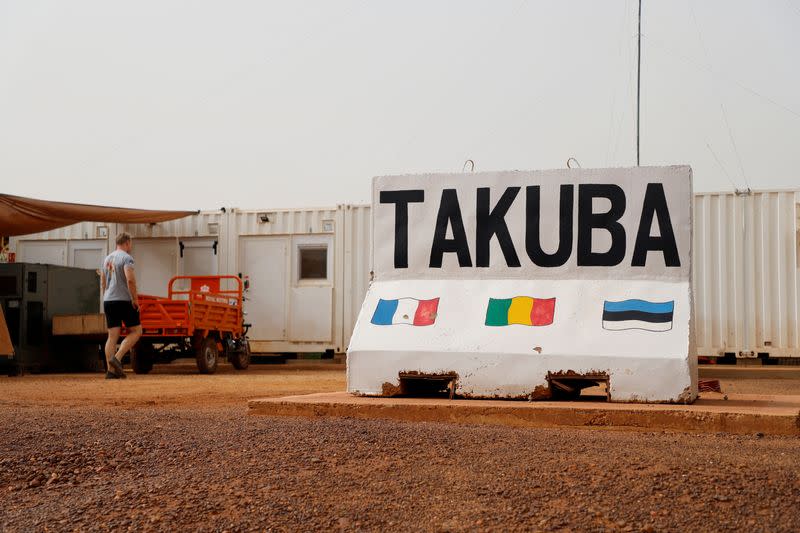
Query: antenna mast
{"type": "Point", "coordinates": [638, 79]}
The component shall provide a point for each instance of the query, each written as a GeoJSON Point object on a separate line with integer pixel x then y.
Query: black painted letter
{"type": "Point", "coordinates": [609, 221]}
{"type": "Point", "coordinates": [533, 242]}
{"type": "Point", "coordinates": [655, 202]}
{"type": "Point", "coordinates": [490, 223]}
{"type": "Point", "coordinates": [449, 214]}
{"type": "Point", "coordinates": [401, 199]}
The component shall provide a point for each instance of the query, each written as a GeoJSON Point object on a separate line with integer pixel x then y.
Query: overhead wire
{"type": "Point", "coordinates": [721, 166]}
{"type": "Point", "coordinates": [717, 95]}
{"type": "Point", "coordinates": [660, 44]}
{"type": "Point", "coordinates": [735, 148]}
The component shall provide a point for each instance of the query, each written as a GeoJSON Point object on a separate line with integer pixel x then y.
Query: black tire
{"type": "Point", "coordinates": [142, 357]}
{"type": "Point", "coordinates": [207, 356]}
{"type": "Point", "coordinates": [241, 360]}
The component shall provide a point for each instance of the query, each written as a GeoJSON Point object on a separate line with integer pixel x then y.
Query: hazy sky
{"type": "Point", "coordinates": [200, 104]}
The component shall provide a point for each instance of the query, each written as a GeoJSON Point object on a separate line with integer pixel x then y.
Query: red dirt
{"type": "Point", "coordinates": [191, 461]}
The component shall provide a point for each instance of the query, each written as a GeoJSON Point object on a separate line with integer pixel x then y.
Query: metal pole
{"type": "Point", "coordinates": [638, 79]}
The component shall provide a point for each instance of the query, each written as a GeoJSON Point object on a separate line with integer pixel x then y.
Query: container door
{"type": "Point", "coordinates": [312, 289]}
{"type": "Point", "coordinates": [44, 252]}
{"type": "Point", "coordinates": [86, 253]}
{"type": "Point", "coordinates": [264, 261]}
{"type": "Point", "coordinates": [156, 264]}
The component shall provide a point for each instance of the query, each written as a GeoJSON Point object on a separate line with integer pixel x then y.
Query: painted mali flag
{"type": "Point", "coordinates": [522, 310]}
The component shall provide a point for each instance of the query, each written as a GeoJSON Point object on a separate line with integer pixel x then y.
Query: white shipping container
{"type": "Point", "coordinates": [746, 274]}
{"type": "Point", "coordinates": [308, 271]}
{"type": "Point", "coordinates": [746, 280]}
{"type": "Point", "coordinates": [288, 312]}
{"type": "Point", "coordinates": [308, 268]}
{"type": "Point", "coordinates": [162, 250]}
{"type": "Point", "coordinates": [357, 265]}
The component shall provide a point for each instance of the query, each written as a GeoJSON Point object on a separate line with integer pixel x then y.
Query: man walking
{"type": "Point", "coordinates": [120, 303]}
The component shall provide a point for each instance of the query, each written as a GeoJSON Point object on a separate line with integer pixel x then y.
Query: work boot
{"type": "Point", "coordinates": [111, 375]}
{"type": "Point", "coordinates": [117, 366]}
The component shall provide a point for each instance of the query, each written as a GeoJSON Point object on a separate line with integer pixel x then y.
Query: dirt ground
{"type": "Point", "coordinates": [177, 451]}
{"type": "Point", "coordinates": [174, 384]}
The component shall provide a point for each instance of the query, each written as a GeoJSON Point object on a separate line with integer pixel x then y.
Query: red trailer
{"type": "Point", "coordinates": [204, 322]}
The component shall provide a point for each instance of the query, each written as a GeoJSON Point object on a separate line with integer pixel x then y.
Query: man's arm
{"type": "Point", "coordinates": [102, 282]}
{"type": "Point", "coordinates": [130, 276]}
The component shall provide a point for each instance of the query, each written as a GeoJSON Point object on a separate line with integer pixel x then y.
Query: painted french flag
{"type": "Point", "coordinates": [405, 311]}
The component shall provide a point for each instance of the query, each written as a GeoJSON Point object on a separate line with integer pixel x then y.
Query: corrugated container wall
{"type": "Point", "coordinates": [357, 264]}
{"type": "Point", "coordinates": [192, 244]}
{"type": "Point", "coordinates": [292, 260]}
{"type": "Point", "coordinates": [307, 277]}
{"type": "Point", "coordinates": [746, 275]}
{"type": "Point", "coordinates": [309, 268]}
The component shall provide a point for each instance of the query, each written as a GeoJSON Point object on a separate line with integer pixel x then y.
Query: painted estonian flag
{"type": "Point", "coordinates": [522, 310]}
{"type": "Point", "coordinates": [405, 311]}
{"type": "Point", "coordinates": [638, 314]}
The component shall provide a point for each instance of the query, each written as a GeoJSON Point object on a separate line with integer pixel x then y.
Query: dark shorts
{"type": "Point", "coordinates": [119, 312]}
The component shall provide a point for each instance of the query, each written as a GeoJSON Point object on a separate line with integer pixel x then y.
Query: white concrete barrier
{"type": "Point", "coordinates": [531, 284]}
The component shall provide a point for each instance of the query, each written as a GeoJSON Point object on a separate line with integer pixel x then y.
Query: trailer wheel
{"type": "Point", "coordinates": [241, 360]}
{"type": "Point", "coordinates": [208, 356]}
{"type": "Point", "coordinates": [142, 356]}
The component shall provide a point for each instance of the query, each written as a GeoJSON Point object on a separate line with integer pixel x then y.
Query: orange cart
{"type": "Point", "coordinates": [205, 322]}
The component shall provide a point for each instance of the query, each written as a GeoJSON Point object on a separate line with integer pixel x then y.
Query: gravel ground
{"type": "Point", "coordinates": [175, 450]}
{"type": "Point", "coordinates": [217, 469]}
{"type": "Point", "coordinates": [173, 385]}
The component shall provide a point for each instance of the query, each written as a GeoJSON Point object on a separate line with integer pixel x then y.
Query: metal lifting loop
{"type": "Point", "coordinates": [471, 163]}
{"type": "Point", "coordinates": [577, 164]}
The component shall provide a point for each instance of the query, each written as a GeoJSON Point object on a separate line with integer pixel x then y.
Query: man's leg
{"type": "Point", "coordinates": [129, 342]}
{"type": "Point", "coordinates": [111, 348]}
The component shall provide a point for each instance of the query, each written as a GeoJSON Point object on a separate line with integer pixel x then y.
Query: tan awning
{"type": "Point", "coordinates": [22, 216]}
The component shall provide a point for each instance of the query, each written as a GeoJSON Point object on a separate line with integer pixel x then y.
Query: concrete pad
{"type": "Point", "coordinates": [742, 414]}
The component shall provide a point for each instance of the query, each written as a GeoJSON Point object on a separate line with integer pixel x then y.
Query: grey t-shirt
{"type": "Point", "coordinates": [114, 270]}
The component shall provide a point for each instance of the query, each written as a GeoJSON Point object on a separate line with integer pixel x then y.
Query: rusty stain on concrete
{"type": "Point", "coordinates": [686, 396]}
{"type": "Point", "coordinates": [541, 392]}
{"type": "Point", "coordinates": [390, 389]}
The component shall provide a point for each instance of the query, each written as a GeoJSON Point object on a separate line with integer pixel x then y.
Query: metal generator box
{"type": "Point", "coordinates": [30, 296]}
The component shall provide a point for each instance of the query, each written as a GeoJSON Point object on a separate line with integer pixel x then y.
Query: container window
{"type": "Point", "coordinates": [314, 262]}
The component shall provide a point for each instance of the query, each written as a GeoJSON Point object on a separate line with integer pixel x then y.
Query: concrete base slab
{"type": "Point", "coordinates": [743, 414]}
